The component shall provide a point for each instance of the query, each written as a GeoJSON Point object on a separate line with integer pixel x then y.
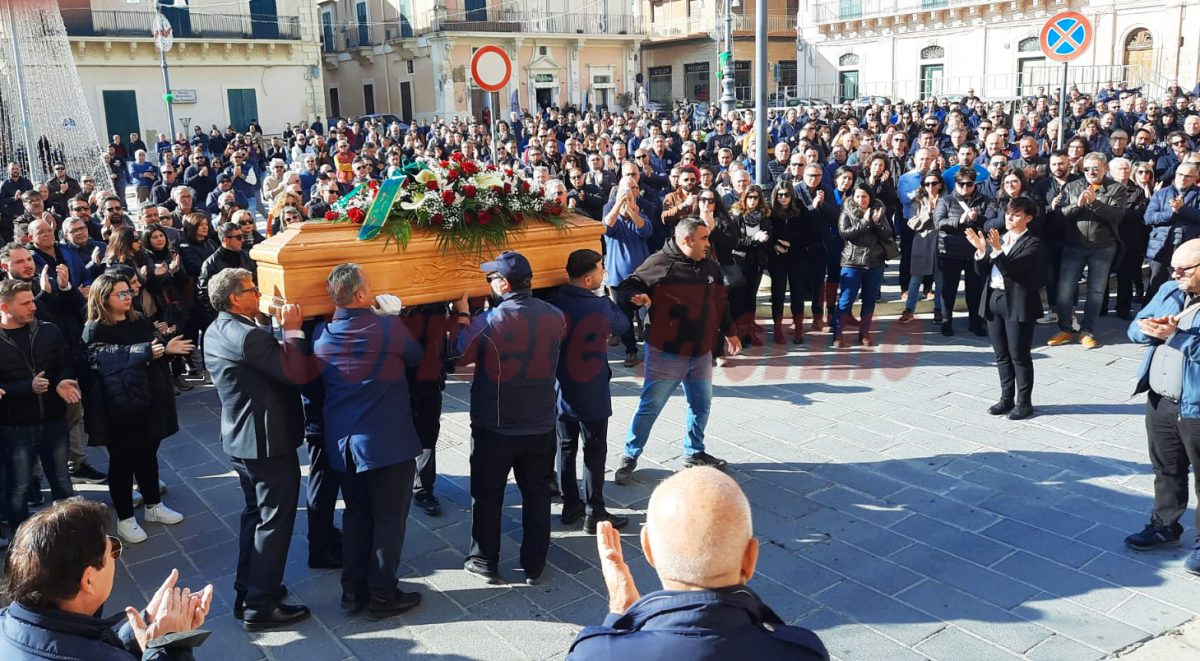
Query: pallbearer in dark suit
{"type": "Point", "coordinates": [262, 425]}
{"type": "Point", "coordinates": [1013, 269]}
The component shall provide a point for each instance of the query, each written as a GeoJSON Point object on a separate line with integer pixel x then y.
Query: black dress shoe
{"type": "Point", "coordinates": [1021, 412]}
{"type": "Point", "coordinates": [1001, 407]}
{"type": "Point", "coordinates": [352, 603]}
{"type": "Point", "coordinates": [1125, 315]}
{"type": "Point", "coordinates": [978, 329]}
{"type": "Point", "coordinates": [283, 615]}
{"type": "Point", "coordinates": [947, 329]}
{"type": "Point", "coordinates": [617, 521]}
{"type": "Point", "coordinates": [534, 577]}
{"type": "Point", "coordinates": [572, 512]}
{"type": "Point", "coordinates": [400, 602]}
{"type": "Point", "coordinates": [428, 503]}
{"type": "Point", "coordinates": [239, 602]}
{"type": "Point", "coordinates": [326, 560]}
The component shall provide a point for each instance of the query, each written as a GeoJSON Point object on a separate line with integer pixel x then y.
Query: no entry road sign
{"type": "Point", "coordinates": [491, 68]}
{"type": "Point", "coordinates": [1066, 36]}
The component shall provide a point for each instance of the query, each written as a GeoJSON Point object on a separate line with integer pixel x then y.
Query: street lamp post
{"type": "Point", "coordinates": [728, 101]}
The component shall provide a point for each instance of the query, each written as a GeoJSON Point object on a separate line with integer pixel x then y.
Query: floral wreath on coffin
{"type": "Point", "coordinates": [471, 207]}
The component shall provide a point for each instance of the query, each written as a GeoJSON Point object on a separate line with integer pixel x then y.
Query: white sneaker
{"type": "Point", "coordinates": [130, 531]}
{"type": "Point", "coordinates": [137, 498]}
{"type": "Point", "coordinates": [1048, 318]}
{"type": "Point", "coordinates": [162, 514]}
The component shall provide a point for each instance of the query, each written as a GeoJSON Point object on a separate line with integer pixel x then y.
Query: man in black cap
{"type": "Point", "coordinates": [212, 204]}
{"type": "Point", "coordinates": [514, 345]}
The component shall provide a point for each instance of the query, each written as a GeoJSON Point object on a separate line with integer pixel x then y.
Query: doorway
{"type": "Point", "coordinates": [368, 99]}
{"type": "Point", "coordinates": [1031, 74]}
{"type": "Point", "coordinates": [335, 103]}
{"type": "Point", "coordinates": [1139, 57]}
{"type": "Point", "coordinates": [544, 96]}
{"type": "Point", "coordinates": [264, 19]}
{"type": "Point", "coordinates": [406, 101]}
{"type": "Point", "coordinates": [120, 112]}
{"type": "Point", "coordinates": [931, 79]}
{"type": "Point", "coordinates": [847, 85]}
{"type": "Point", "coordinates": [243, 108]}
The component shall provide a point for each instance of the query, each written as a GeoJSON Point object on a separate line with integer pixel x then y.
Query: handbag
{"type": "Point", "coordinates": [890, 250]}
{"type": "Point", "coordinates": [732, 275]}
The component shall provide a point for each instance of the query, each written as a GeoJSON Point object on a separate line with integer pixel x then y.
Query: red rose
{"type": "Point", "coordinates": [331, 215]}
{"type": "Point", "coordinates": [431, 185]}
{"type": "Point", "coordinates": [518, 218]}
{"type": "Point", "coordinates": [447, 197]}
{"type": "Point", "coordinates": [508, 172]}
{"type": "Point", "coordinates": [491, 168]}
{"type": "Point", "coordinates": [444, 164]}
{"type": "Point", "coordinates": [469, 190]}
{"type": "Point", "coordinates": [524, 186]}
{"type": "Point", "coordinates": [468, 217]}
{"type": "Point", "coordinates": [498, 190]}
{"type": "Point", "coordinates": [469, 167]}
{"type": "Point", "coordinates": [507, 188]}
{"type": "Point", "coordinates": [356, 215]}
{"type": "Point", "coordinates": [457, 157]}
{"type": "Point", "coordinates": [452, 175]}
{"type": "Point", "coordinates": [373, 185]}
{"type": "Point", "coordinates": [437, 219]}
{"type": "Point", "coordinates": [553, 209]}
{"type": "Point", "coordinates": [483, 217]}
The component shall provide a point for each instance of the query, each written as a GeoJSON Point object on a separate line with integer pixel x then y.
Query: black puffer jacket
{"type": "Point", "coordinates": [51, 356]}
{"type": "Point", "coordinates": [952, 223]}
{"type": "Point", "coordinates": [864, 239]}
{"type": "Point", "coordinates": [127, 389]}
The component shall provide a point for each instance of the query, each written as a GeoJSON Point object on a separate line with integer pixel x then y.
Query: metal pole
{"type": "Point", "coordinates": [170, 106]}
{"type": "Point", "coordinates": [727, 97]}
{"type": "Point", "coordinates": [34, 171]}
{"type": "Point", "coordinates": [493, 111]}
{"type": "Point", "coordinates": [1062, 109]}
{"type": "Point", "coordinates": [760, 91]}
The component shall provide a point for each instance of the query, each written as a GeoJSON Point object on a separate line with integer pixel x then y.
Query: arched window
{"type": "Point", "coordinates": [1139, 56]}
{"type": "Point", "coordinates": [933, 53]}
{"type": "Point", "coordinates": [1029, 45]}
{"type": "Point", "coordinates": [848, 60]}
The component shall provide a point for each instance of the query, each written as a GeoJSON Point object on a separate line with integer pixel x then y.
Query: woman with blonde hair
{"type": "Point", "coordinates": [130, 404]}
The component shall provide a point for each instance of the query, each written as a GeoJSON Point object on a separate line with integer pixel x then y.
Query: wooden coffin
{"type": "Point", "coordinates": [293, 265]}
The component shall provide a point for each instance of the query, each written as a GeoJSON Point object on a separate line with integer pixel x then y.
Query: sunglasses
{"type": "Point", "coordinates": [708, 200]}
{"type": "Point", "coordinates": [117, 547]}
{"type": "Point", "coordinates": [932, 183]}
{"type": "Point", "coordinates": [112, 209]}
{"type": "Point", "coordinates": [124, 293]}
{"type": "Point", "coordinates": [1092, 168]}
{"type": "Point", "coordinates": [494, 277]}
{"type": "Point", "coordinates": [966, 184]}
{"type": "Point", "coordinates": [81, 209]}
{"type": "Point", "coordinates": [783, 194]}
{"type": "Point", "coordinates": [235, 237]}
{"type": "Point", "coordinates": [751, 197]}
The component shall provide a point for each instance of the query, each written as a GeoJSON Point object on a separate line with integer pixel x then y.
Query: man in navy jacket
{"type": "Point", "coordinates": [584, 400]}
{"type": "Point", "coordinates": [514, 346]}
{"type": "Point", "coordinates": [369, 436]}
{"type": "Point", "coordinates": [699, 539]}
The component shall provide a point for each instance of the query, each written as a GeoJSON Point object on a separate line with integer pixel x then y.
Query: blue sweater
{"type": "Point", "coordinates": [1170, 299]}
{"type": "Point", "coordinates": [367, 413]}
{"type": "Point", "coordinates": [583, 371]}
{"type": "Point", "coordinates": [625, 246]}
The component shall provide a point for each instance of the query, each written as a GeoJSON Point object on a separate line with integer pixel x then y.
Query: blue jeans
{"type": "Point", "coordinates": [852, 280]}
{"type": "Point", "coordinates": [1098, 262]}
{"type": "Point", "coordinates": [664, 372]}
{"type": "Point", "coordinates": [914, 294]}
{"type": "Point", "coordinates": [23, 444]}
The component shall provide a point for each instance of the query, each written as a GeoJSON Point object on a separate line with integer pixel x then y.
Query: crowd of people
{"type": "Point", "coordinates": [114, 301]}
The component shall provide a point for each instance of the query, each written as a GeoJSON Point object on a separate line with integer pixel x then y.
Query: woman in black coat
{"type": "Point", "coordinates": [199, 243]}
{"type": "Point", "coordinates": [784, 264]}
{"type": "Point", "coordinates": [130, 404]}
{"type": "Point", "coordinates": [752, 244]}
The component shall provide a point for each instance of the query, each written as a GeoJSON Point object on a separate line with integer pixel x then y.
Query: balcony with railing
{"type": "Point", "coordinates": [185, 25]}
{"type": "Point", "coordinates": [693, 25]}
{"type": "Point", "coordinates": [833, 11]}
{"type": "Point", "coordinates": [534, 22]}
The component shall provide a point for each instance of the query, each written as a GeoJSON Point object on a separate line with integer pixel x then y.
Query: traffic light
{"type": "Point", "coordinates": [724, 62]}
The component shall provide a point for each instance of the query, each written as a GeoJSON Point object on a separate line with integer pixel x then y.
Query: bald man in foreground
{"type": "Point", "coordinates": [699, 539]}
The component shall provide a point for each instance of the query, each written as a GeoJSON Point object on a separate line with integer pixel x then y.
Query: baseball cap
{"type": "Point", "coordinates": [222, 178]}
{"type": "Point", "coordinates": [510, 264]}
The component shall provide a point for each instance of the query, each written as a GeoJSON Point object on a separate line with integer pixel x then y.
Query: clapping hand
{"type": "Point", "coordinates": [1086, 197]}
{"type": "Point", "coordinates": [179, 346]}
{"type": "Point", "coordinates": [97, 255]}
{"type": "Point", "coordinates": [157, 350]}
{"type": "Point", "coordinates": [68, 391]}
{"type": "Point", "coordinates": [40, 383]}
{"type": "Point", "coordinates": [640, 300]}
{"type": "Point", "coordinates": [976, 239]}
{"type": "Point", "coordinates": [171, 610]}
{"type": "Point", "coordinates": [1159, 328]}
{"type": "Point", "coordinates": [1176, 203]}
{"type": "Point", "coordinates": [622, 591]}
{"type": "Point", "coordinates": [761, 236]}
{"type": "Point", "coordinates": [44, 278]}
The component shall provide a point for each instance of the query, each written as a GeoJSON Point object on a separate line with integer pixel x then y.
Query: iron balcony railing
{"type": "Point", "coordinates": [715, 25]}
{"type": "Point", "coordinates": [184, 24]}
{"type": "Point", "coordinates": [827, 11]}
{"type": "Point", "coordinates": [539, 22]}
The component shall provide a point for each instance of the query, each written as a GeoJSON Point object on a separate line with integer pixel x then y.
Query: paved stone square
{"type": "Point", "coordinates": [898, 520]}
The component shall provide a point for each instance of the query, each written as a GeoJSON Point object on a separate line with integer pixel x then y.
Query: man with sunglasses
{"type": "Point", "coordinates": [62, 188]}
{"type": "Point", "coordinates": [1173, 215]}
{"type": "Point", "coordinates": [62, 565]}
{"type": "Point", "coordinates": [682, 202]}
{"type": "Point", "coordinates": [960, 209]}
{"type": "Point", "coordinates": [231, 255]}
{"type": "Point", "coordinates": [1170, 377]}
{"type": "Point", "coordinates": [1093, 207]}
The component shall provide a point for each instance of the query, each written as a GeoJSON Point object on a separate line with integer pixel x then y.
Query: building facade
{"type": "Point", "coordinates": [906, 49]}
{"type": "Point", "coordinates": [230, 63]}
{"type": "Point", "coordinates": [684, 39]}
{"type": "Point", "coordinates": [411, 58]}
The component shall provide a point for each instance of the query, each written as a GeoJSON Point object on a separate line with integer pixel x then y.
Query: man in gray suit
{"type": "Point", "coordinates": [262, 425]}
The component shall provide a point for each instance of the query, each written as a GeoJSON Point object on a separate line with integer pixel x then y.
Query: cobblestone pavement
{"type": "Point", "coordinates": [899, 520]}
